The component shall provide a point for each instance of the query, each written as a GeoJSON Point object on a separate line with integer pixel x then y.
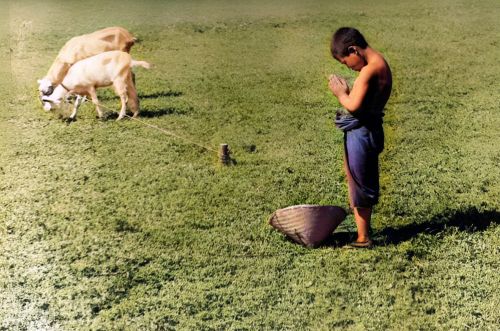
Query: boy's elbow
{"type": "Point", "coordinates": [350, 104]}
{"type": "Point", "coordinates": [353, 108]}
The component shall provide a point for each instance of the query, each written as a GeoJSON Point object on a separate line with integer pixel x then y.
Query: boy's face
{"type": "Point", "coordinates": [353, 61]}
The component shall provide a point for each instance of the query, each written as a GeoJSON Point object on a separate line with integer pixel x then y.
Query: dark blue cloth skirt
{"type": "Point", "coordinates": [363, 142]}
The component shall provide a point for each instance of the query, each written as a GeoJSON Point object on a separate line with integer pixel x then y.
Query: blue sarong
{"type": "Point", "coordinates": [363, 142]}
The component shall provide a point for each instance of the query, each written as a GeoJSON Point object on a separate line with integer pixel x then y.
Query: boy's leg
{"type": "Point", "coordinates": [362, 217]}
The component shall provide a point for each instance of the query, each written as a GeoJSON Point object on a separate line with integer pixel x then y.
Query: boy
{"type": "Point", "coordinates": [361, 123]}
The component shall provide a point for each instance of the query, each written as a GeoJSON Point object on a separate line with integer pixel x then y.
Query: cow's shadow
{"type": "Point", "coordinates": [469, 220]}
{"type": "Point", "coordinates": [150, 112]}
{"type": "Point", "coordinates": [147, 111]}
{"type": "Point", "coordinates": [160, 94]}
{"type": "Point", "coordinates": [110, 95]}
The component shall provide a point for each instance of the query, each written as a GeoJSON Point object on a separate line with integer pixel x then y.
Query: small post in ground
{"type": "Point", "coordinates": [224, 154]}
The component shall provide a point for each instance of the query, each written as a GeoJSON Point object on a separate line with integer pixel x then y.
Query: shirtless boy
{"type": "Point", "coordinates": [361, 122]}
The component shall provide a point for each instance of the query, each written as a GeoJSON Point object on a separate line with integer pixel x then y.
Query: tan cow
{"type": "Point", "coordinates": [82, 47]}
{"type": "Point", "coordinates": [105, 69]}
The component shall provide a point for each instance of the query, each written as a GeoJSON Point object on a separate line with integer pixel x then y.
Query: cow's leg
{"type": "Point", "coordinates": [123, 99]}
{"type": "Point", "coordinates": [121, 90]}
{"type": "Point", "coordinates": [79, 100]}
{"type": "Point", "coordinates": [133, 100]}
{"type": "Point", "coordinates": [93, 96]}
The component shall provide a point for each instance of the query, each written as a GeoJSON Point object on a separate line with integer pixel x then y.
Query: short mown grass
{"type": "Point", "coordinates": [114, 225]}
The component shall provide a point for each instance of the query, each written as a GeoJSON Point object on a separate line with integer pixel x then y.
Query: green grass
{"type": "Point", "coordinates": [112, 225]}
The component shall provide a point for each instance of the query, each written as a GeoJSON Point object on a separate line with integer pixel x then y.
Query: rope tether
{"type": "Point", "coordinates": [165, 131]}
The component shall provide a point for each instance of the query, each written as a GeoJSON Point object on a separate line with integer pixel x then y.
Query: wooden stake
{"type": "Point", "coordinates": [224, 154]}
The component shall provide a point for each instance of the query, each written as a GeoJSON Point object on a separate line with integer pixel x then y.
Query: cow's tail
{"type": "Point", "coordinates": [143, 64]}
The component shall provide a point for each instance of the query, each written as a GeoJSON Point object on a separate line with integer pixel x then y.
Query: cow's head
{"type": "Point", "coordinates": [55, 99]}
{"type": "Point", "coordinates": [48, 103]}
{"type": "Point", "coordinates": [45, 86]}
{"type": "Point", "coordinates": [45, 89]}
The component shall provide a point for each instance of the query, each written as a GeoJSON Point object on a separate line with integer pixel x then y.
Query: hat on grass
{"type": "Point", "coordinates": [308, 225]}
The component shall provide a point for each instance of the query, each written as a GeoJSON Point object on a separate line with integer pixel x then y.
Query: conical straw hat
{"type": "Point", "coordinates": [308, 225]}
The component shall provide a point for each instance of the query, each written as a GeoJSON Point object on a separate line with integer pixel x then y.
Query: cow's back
{"type": "Point", "coordinates": [102, 68]}
{"type": "Point", "coordinates": [87, 45]}
{"type": "Point", "coordinates": [117, 36]}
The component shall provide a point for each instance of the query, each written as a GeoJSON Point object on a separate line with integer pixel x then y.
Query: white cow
{"type": "Point", "coordinates": [82, 47]}
{"type": "Point", "coordinates": [105, 69]}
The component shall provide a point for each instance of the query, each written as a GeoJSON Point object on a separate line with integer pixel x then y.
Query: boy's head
{"type": "Point", "coordinates": [344, 40]}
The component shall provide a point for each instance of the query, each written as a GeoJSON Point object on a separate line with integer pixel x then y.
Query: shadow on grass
{"type": "Point", "coordinates": [469, 220]}
{"type": "Point", "coordinates": [149, 113]}
{"type": "Point", "coordinates": [146, 113]}
{"type": "Point", "coordinates": [159, 94]}
{"type": "Point", "coordinates": [339, 239]}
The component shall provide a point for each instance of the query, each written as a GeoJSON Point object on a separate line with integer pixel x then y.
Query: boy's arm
{"type": "Point", "coordinates": [352, 100]}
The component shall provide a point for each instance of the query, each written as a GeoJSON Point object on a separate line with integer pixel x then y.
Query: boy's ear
{"type": "Point", "coordinates": [351, 49]}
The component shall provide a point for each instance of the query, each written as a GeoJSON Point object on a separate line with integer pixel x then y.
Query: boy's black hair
{"type": "Point", "coordinates": [345, 37]}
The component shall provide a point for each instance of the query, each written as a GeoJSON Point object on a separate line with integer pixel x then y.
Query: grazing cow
{"type": "Point", "coordinates": [82, 47]}
{"type": "Point", "coordinates": [105, 69]}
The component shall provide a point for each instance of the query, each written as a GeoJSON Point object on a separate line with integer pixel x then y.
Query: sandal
{"type": "Point", "coordinates": [360, 244]}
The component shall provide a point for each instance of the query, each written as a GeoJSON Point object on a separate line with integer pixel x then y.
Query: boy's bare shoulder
{"type": "Point", "coordinates": [370, 70]}
{"type": "Point", "coordinates": [377, 67]}
{"type": "Point", "coordinates": [380, 63]}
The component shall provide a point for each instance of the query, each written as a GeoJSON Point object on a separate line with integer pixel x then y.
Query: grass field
{"type": "Point", "coordinates": [109, 225]}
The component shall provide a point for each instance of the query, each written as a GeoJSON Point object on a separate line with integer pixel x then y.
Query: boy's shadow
{"type": "Point", "coordinates": [469, 220]}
